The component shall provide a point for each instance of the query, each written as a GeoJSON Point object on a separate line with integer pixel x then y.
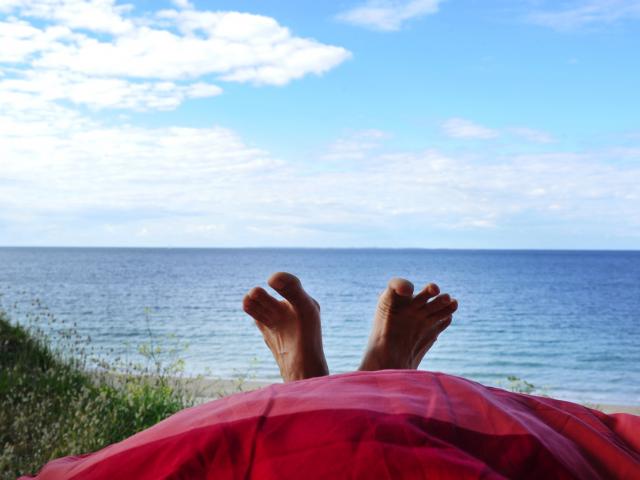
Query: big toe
{"type": "Point", "coordinates": [401, 286]}
{"type": "Point", "coordinates": [399, 290]}
{"type": "Point", "coordinates": [290, 287]}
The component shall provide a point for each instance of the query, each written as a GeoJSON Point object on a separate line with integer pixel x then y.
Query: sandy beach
{"type": "Point", "coordinates": [634, 410]}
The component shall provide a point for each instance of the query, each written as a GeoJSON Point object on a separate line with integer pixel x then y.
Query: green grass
{"type": "Point", "coordinates": [51, 406]}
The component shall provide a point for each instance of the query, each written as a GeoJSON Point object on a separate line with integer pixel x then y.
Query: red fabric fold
{"type": "Point", "coordinates": [388, 424]}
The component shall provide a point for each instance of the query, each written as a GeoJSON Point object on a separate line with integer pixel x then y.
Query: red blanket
{"type": "Point", "coordinates": [388, 425]}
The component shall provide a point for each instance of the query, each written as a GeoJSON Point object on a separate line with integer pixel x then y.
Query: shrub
{"type": "Point", "coordinates": [519, 385]}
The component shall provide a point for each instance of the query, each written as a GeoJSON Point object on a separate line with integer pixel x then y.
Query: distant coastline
{"type": "Point", "coordinates": [324, 248]}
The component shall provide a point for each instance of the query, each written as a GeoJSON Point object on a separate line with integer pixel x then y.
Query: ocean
{"type": "Point", "coordinates": [566, 321]}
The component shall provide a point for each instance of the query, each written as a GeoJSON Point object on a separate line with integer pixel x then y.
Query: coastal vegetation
{"type": "Point", "coordinates": [57, 399]}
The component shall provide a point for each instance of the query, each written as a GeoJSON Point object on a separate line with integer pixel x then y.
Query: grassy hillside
{"type": "Point", "coordinates": [50, 406]}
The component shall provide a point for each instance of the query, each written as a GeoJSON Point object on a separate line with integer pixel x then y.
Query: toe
{"type": "Point", "coordinates": [427, 292]}
{"type": "Point", "coordinates": [401, 287]}
{"type": "Point", "coordinates": [398, 292]}
{"type": "Point", "coordinates": [255, 309]}
{"type": "Point", "coordinates": [453, 305]}
{"type": "Point", "coordinates": [443, 308]}
{"type": "Point", "coordinates": [290, 287]}
{"type": "Point", "coordinates": [261, 296]}
{"type": "Point", "coordinates": [443, 324]}
{"type": "Point", "coordinates": [438, 303]}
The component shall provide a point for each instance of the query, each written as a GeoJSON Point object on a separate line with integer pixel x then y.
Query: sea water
{"type": "Point", "coordinates": [566, 321]}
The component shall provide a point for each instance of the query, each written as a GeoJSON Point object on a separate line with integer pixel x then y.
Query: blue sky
{"type": "Point", "coordinates": [421, 123]}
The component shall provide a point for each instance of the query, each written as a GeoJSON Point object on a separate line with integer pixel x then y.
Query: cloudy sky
{"type": "Point", "coordinates": [386, 123]}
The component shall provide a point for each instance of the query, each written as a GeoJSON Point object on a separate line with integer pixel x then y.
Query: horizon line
{"type": "Point", "coordinates": [487, 249]}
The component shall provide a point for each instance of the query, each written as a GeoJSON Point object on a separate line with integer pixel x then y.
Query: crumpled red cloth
{"type": "Point", "coordinates": [391, 424]}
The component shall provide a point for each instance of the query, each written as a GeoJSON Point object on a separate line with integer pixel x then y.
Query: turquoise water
{"type": "Point", "coordinates": [565, 321]}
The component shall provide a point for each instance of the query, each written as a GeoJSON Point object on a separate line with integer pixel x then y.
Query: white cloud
{"type": "Point", "coordinates": [67, 178]}
{"type": "Point", "coordinates": [388, 15]}
{"type": "Point", "coordinates": [98, 53]}
{"type": "Point", "coordinates": [103, 92]}
{"type": "Point", "coordinates": [356, 145]}
{"type": "Point", "coordinates": [75, 164]}
{"type": "Point", "coordinates": [186, 4]}
{"type": "Point", "coordinates": [531, 134]}
{"type": "Point", "coordinates": [20, 40]}
{"type": "Point", "coordinates": [578, 14]}
{"type": "Point", "coordinates": [462, 128]}
{"type": "Point", "coordinates": [466, 129]}
{"type": "Point", "coordinates": [96, 15]}
{"type": "Point", "coordinates": [237, 47]}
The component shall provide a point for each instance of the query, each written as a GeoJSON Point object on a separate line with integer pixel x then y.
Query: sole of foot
{"type": "Point", "coordinates": [290, 327]}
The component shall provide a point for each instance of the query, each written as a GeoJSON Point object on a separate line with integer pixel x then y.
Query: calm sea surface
{"type": "Point", "coordinates": [565, 321]}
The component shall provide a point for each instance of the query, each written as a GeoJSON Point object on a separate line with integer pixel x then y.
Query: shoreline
{"type": "Point", "coordinates": [207, 389]}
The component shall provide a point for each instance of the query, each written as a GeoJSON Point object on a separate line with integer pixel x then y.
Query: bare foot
{"type": "Point", "coordinates": [405, 327]}
{"type": "Point", "coordinates": [290, 328]}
